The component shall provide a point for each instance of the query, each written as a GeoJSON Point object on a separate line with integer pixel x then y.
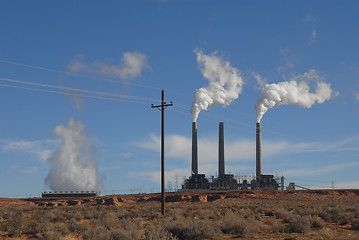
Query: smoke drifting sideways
{"type": "Point", "coordinates": [72, 166]}
{"type": "Point", "coordinates": [291, 92]}
{"type": "Point", "coordinates": [225, 83]}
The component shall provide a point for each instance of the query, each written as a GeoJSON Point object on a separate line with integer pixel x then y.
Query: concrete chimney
{"type": "Point", "coordinates": [259, 170]}
{"type": "Point", "coordinates": [194, 149]}
{"type": "Point", "coordinates": [221, 171]}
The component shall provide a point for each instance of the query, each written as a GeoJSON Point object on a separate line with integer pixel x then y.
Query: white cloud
{"type": "Point", "coordinates": [42, 149]}
{"type": "Point", "coordinates": [356, 96]}
{"type": "Point", "coordinates": [132, 64]}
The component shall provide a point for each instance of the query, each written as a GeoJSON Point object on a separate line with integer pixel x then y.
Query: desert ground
{"type": "Point", "coordinates": [303, 214]}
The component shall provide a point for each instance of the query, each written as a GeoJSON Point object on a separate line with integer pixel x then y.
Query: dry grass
{"type": "Point", "coordinates": [234, 218]}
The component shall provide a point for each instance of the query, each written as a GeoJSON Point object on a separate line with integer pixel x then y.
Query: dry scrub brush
{"type": "Point", "coordinates": [211, 220]}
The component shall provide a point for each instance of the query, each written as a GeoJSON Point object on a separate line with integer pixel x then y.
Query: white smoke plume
{"type": "Point", "coordinates": [72, 166]}
{"type": "Point", "coordinates": [291, 92]}
{"type": "Point", "coordinates": [225, 83]}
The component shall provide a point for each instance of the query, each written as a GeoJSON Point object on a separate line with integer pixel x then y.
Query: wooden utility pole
{"type": "Point", "coordinates": [162, 108]}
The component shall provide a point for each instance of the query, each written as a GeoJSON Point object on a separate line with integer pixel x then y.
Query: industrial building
{"type": "Point", "coordinates": [227, 181]}
{"type": "Point", "coordinates": [70, 194]}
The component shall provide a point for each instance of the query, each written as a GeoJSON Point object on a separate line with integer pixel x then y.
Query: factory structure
{"type": "Point", "coordinates": [69, 194]}
{"type": "Point", "coordinates": [201, 182]}
{"type": "Point", "coordinates": [228, 181]}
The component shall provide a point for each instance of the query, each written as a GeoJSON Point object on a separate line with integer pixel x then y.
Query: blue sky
{"type": "Point", "coordinates": [103, 64]}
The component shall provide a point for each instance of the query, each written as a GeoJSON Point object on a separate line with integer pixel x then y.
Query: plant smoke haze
{"type": "Point", "coordinates": [225, 83]}
{"type": "Point", "coordinates": [72, 166]}
{"type": "Point", "coordinates": [291, 92]}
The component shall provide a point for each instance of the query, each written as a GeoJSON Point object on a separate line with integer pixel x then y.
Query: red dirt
{"type": "Point", "coordinates": [193, 196]}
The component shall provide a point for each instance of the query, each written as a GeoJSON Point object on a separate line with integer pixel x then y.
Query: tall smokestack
{"type": "Point", "coordinates": [221, 151]}
{"type": "Point", "coordinates": [194, 149]}
{"type": "Point", "coordinates": [259, 171]}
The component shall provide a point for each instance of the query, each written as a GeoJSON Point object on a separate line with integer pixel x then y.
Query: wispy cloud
{"type": "Point", "coordinates": [347, 185]}
{"type": "Point", "coordinates": [171, 175]}
{"type": "Point", "coordinates": [237, 154]}
{"type": "Point", "coordinates": [261, 81]}
{"type": "Point", "coordinates": [42, 149]}
{"type": "Point", "coordinates": [240, 150]}
{"type": "Point", "coordinates": [288, 64]}
{"type": "Point", "coordinates": [182, 173]}
{"type": "Point", "coordinates": [126, 155]}
{"type": "Point", "coordinates": [31, 170]}
{"type": "Point", "coordinates": [356, 96]}
{"type": "Point", "coordinates": [310, 75]}
{"type": "Point", "coordinates": [131, 65]}
{"type": "Point", "coordinates": [310, 18]}
{"type": "Point", "coordinates": [313, 36]}
{"type": "Point", "coordinates": [311, 21]}
{"type": "Point", "coordinates": [326, 169]}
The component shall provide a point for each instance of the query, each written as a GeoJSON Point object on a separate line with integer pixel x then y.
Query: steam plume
{"type": "Point", "coordinates": [72, 167]}
{"type": "Point", "coordinates": [225, 83]}
{"type": "Point", "coordinates": [291, 92]}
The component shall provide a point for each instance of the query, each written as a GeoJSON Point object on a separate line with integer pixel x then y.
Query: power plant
{"type": "Point", "coordinates": [227, 181]}
{"type": "Point", "coordinates": [195, 181]}
{"type": "Point", "coordinates": [70, 194]}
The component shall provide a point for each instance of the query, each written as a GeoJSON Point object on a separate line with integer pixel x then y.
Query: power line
{"type": "Point", "coordinates": [125, 96]}
{"type": "Point", "coordinates": [75, 89]}
{"type": "Point", "coordinates": [74, 74]}
{"type": "Point", "coordinates": [73, 94]}
{"type": "Point", "coordinates": [186, 107]}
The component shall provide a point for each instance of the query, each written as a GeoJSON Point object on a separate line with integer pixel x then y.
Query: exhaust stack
{"type": "Point", "coordinates": [259, 170]}
{"type": "Point", "coordinates": [194, 149]}
{"type": "Point", "coordinates": [221, 171]}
